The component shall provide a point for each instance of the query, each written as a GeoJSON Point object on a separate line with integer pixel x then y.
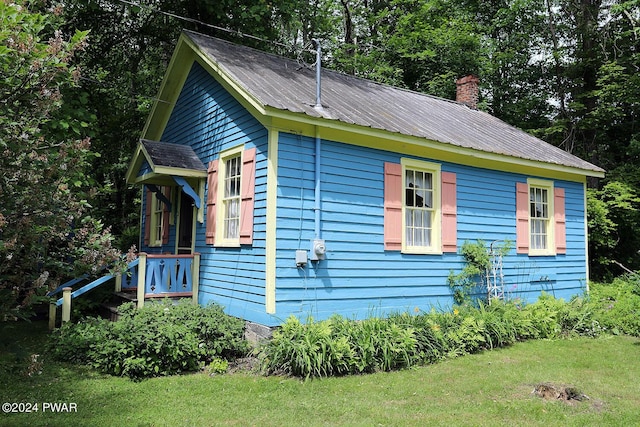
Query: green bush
{"type": "Point", "coordinates": [616, 306]}
{"type": "Point", "coordinates": [159, 339]}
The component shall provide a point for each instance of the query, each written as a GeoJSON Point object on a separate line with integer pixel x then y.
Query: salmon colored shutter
{"type": "Point", "coordinates": [166, 216]}
{"type": "Point", "coordinates": [147, 216]}
{"type": "Point", "coordinates": [212, 192]}
{"type": "Point", "coordinates": [560, 220]}
{"type": "Point", "coordinates": [449, 212]}
{"type": "Point", "coordinates": [392, 206]}
{"type": "Point", "coordinates": [248, 183]}
{"type": "Point", "coordinates": [522, 218]}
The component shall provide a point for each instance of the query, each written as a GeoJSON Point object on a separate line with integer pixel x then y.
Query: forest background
{"type": "Point", "coordinates": [78, 79]}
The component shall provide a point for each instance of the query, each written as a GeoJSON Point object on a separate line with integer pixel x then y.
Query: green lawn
{"type": "Point", "coordinates": [493, 388]}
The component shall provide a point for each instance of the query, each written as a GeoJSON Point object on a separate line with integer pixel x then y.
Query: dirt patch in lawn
{"type": "Point", "coordinates": [564, 393]}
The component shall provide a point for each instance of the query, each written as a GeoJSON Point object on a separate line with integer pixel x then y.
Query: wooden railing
{"type": "Point", "coordinates": [152, 276]}
{"type": "Point", "coordinates": [168, 276]}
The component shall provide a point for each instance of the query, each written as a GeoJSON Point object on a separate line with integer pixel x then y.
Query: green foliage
{"type": "Point", "coordinates": [470, 282]}
{"type": "Point", "coordinates": [617, 305]}
{"type": "Point", "coordinates": [159, 339]}
{"type": "Point", "coordinates": [339, 346]}
{"type": "Point", "coordinates": [217, 366]}
{"type": "Point", "coordinates": [46, 235]}
{"type": "Point", "coordinates": [614, 227]}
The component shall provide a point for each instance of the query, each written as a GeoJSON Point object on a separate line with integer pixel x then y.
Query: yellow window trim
{"type": "Point", "coordinates": [225, 155]}
{"type": "Point", "coordinates": [436, 236]}
{"type": "Point", "coordinates": [551, 241]}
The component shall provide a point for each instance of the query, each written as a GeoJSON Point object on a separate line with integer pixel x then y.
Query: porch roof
{"type": "Point", "coordinates": [156, 162]}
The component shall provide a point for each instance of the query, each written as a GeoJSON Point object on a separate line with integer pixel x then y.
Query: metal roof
{"type": "Point", "coordinates": [283, 84]}
{"type": "Point", "coordinates": [172, 155]}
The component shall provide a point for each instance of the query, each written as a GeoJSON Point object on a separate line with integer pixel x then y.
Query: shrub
{"type": "Point", "coordinates": [382, 344]}
{"type": "Point", "coordinates": [307, 350]}
{"type": "Point", "coordinates": [616, 306]}
{"type": "Point", "coordinates": [159, 339]}
{"type": "Point", "coordinates": [430, 345]}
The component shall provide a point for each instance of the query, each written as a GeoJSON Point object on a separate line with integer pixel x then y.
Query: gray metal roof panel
{"type": "Point", "coordinates": [172, 155]}
{"type": "Point", "coordinates": [282, 83]}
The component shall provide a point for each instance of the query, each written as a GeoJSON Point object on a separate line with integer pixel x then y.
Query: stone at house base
{"type": "Point", "coordinates": [256, 333]}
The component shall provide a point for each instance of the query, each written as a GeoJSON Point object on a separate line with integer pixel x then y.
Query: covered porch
{"type": "Point", "coordinates": [172, 180]}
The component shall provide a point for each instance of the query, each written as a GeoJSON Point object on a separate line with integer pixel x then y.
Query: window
{"type": "Point", "coordinates": [541, 240]}
{"type": "Point", "coordinates": [540, 217]}
{"type": "Point", "coordinates": [420, 213]}
{"type": "Point", "coordinates": [421, 207]}
{"type": "Point", "coordinates": [539, 221]}
{"type": "Point", "coordinates": [230, 200]}
{"type": "Point", "coordinates": [231, 197]}
{"type": "Point", "coordinates": [157, 223]}
{"type": "Point", "coordinates": [157, 218]}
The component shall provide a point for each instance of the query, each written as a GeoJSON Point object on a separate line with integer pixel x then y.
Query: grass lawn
{"type": "Point", "coordinates": [493, 388]}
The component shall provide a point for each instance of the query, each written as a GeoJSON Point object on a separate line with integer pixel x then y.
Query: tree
{"type": "Point", "coordinates": [614, 215]}
{"type": "Point", "coordinates": [46, 235]}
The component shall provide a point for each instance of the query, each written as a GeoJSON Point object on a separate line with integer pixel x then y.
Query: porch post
{"type": "Point", "coordinates": [53, 310]}
{"type": "Point", "coordinates": [119, 282]}
{"type": "Point", "coordinates": [195, 277]}
{"type": "Point", "coordinates": [66, 304]}
{"type": "Point", "coordinates": [142, 273]}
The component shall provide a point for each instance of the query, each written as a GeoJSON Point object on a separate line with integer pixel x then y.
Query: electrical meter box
{"type": "Point", "coordinates": [318, 250]}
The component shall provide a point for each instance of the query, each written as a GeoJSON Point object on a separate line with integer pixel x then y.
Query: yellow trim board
{"type": "Point", "coordinates": [272, 198]}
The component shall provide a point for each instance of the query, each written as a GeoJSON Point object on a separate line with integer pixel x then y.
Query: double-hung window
{"type": "Point", "coordinates": [539, 218]}
{"type": "Point", "coordinates": [421, 207]}
{"type": "Point", "coordinates": [541, 223]}
{"type": "Point", "coordinates": [230, 197]}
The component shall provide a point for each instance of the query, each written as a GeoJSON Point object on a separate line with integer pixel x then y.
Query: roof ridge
{"type": "Point", "coordinates": [329, 70]}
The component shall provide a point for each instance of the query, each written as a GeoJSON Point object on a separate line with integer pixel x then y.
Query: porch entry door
{"type": "Point", "coordinates": [185, 226]}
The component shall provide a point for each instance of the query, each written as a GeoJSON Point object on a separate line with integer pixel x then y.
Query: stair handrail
{"type": "Point", "coordinates": [68, 293]}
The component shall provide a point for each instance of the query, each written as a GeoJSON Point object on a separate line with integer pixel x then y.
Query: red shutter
{"type": "Point", "coordinates": [392, 206]}
{"type": "Point", "coordinates": [522, 218]}
{"type": "Point", "coordinates": [247, 195]}
{"type": "Point", "coordinates": [449, 212]}
{"type": "Point", "coordinates": [166, 216]}
{"type": "Point", "coordinates": [212, 191]}
{"type": "Point", "coordinates": [560, 221]}
{"type": "Point", "coordinates": [147, 216]}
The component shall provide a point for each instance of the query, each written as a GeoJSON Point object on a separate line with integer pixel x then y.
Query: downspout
{"type": "Point", "coordinates": [317, 245]}
{"type": "Point", "coordinates": [318, 106]}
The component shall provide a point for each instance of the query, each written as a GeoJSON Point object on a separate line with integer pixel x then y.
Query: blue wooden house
{"type": "Point", "coordinates": [348, 196]}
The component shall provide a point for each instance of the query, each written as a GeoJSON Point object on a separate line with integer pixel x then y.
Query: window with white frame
{"type": "Point", "coordinates": [541, 239]}
{"type": "Point", "coordinates": [421, 207]}
{"type": "Point", "coordinates": [230, 196]}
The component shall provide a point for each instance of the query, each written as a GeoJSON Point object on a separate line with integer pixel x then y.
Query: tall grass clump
{"type": "Point", "coordinates": [160, 339]}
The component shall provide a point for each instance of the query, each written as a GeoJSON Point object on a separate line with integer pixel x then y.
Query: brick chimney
{"type": "Point", "coordinates": [467, 91]}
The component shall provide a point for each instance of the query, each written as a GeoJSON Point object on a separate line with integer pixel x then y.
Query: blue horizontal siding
{"type": "Point", "coordinates": [358, 275]}
{"type": "Point", "coordinates": [210, 120]}
{"type": "Point", "coordinates": [358, 278]}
